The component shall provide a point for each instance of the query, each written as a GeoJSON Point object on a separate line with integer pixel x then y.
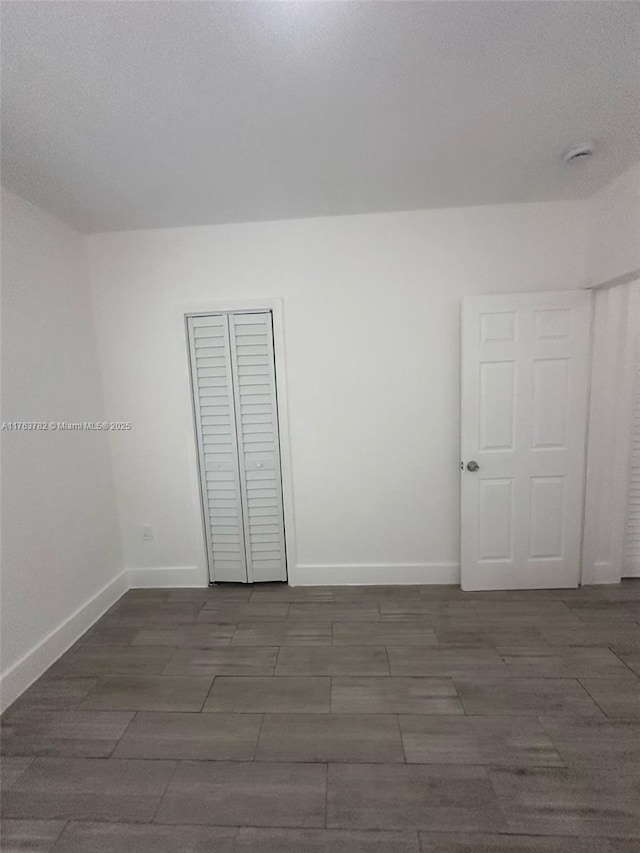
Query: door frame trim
{"type": "Point", "coordinates": [229, 306]}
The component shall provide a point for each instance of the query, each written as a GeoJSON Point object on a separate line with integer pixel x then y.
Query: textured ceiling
{"type": "Point", "coordinates": [121, 115]}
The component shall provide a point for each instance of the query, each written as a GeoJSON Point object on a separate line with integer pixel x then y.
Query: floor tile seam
{"type": "Point", "coordinates": [459, 697]}
{"type": "Point", "coordinates": [552, 740]}
{"type": "Point", "coordinates": [257, 743]}
{"type": "Point", "coordinates": [275, 663]}
{"type": "Point", "coordinates": [31, 758]}
{"type": "Point", "coordinates": [98, 680]}
{"type": "Point", "coordinates": [386, 653]}
{"type": "Point", "coordinates": [204, 700]}
{"type": "Point", "coordinates": [489, 774]}
{"type": "Point", "coordinates": [404, 752]}
{"type": "Point", "coordinates": [592, 698]}
{"type": "Point", "coordinates": [622, 660]}
{"type": "Point", "coordinates": [65, 824]}
{"type": "Point", "coordinates": [124, 731]}
{"type": "Point", "coordinates": [326, 795]}
{"type": "Point", "coordinates": [165, 790]}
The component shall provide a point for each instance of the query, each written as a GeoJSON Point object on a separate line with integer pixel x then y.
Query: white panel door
{"type": "Point", "coordinates": [235, 408]}
{"type": "Point", "coordinates": [524, 414]}
{"type": "Point", "coordinates": [254, 382]}
{"type": "Point", "coordinates": [214, 411]}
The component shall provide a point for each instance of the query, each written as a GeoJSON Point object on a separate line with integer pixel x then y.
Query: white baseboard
{"type": "Point", "coordinates": [374, 574]}
{"type": "Point", "coordinates": [24, 672]}
{"type": "Point", "coordinates": [167, 576]}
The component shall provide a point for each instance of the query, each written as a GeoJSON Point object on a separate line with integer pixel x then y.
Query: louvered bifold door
{"type": "Point", "coordinates": [631, 558]}
{"type": "Point", "coordinates": [254, 383]}
{"type": "Point", "coordinates": [217, 445]}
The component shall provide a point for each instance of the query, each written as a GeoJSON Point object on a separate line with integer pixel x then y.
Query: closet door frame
{"type": "Point", "coordinates": [183, 312]}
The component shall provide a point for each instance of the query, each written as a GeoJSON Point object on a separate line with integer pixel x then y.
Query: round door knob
{"type": "Point", "coordinates": [258, 464]}
{"type": "Point", "coordinates": [473, 466]}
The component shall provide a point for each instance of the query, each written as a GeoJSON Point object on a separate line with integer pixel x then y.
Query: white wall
{"type": "Point", "coordinates": [61, 554]}
{"type": "Point", "coordinates": [371, 318]}
{"type": "Point", "coordinates": [614, 228]}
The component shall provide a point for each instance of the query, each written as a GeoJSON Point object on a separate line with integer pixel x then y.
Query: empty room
{"type": "Point", "coordinates": [320, 432]}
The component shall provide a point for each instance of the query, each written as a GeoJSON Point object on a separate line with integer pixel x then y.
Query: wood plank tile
{"type": "Point", "coordinates": [330, 737]}
{"type": "Point", "coordinates": [270, 695]}
{"type": "Point", "coordinates": [283, 593]}
{"type": "Point", "coordinates": [560, 661]}
{"type": "Point", "coordinates": [106, 635]}
{"type": "Point", "coordinates": [151, 693]}
{"type": "Point", "coordinates": [591, 743]}
{"type": "Point", "coordinates": [524, 696]}
{"type": "Point", "coordinates": [412, 660]}
{"type": "Point", "coordinates": [604, 612]}
{"type": "Point", "coordinates": [324, 841]}
{"type": "Point", "coordinates": [283, 634]}
{"type": "Point", "coordinates": [234, 660]}
{"type": "Point", "coordinates": [407, 632]}
{"type": "Point", "coordinates": [245, 794]}
{"type": "Point", "coordinates": [127, 660]}
{"type": "Point", "coordinates": [619, 698]}
{"type": "Point", "coordinates": [392, 695]}
{"type": "Point", "coordinates": [489, 637]}
{"type": "Point", "coordinates": [590, 635]}
{"type": "Point", "coordinates": [332, 660]}
{"type": "Point", "coordinates": [588, 803]}
{"type": "Point", "coordinates": [328, 612]}
{"type": "Point", "coordinates": [207, 737]}
{"type": "Point", "coordinates": [49, 692]}
{"type": "Point", "coordinates": [200, 636]}
{"type": "Point", "coordinates": [258, 611]}
{"type": "Point", "coordinates": [88, 789]}
{"type": "Point", "coordinates": [29, 836]}
{"type": "Point", "coordinates": [505, 741]}
{"type": "Point", "coordinates": [432, 842]}
{"type": "Point", "coordinates": [145, 838]}
{"type": "Point", "coordinates": [386, 796]}
{"type": "Point", "coordinates": [12, 768]}
{"type": "Point", "coordinates": [148, 614]}
{"type": "Point", "coordinates": [90, 734]}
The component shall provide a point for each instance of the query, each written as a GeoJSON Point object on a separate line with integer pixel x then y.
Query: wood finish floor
{"type": "Point", "coordinates": [353, 720]}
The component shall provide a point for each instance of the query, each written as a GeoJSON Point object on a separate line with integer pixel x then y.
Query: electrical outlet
{"type": "Point", "coordinates": [147, 532]}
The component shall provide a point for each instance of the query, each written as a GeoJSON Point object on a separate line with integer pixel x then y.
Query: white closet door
{"type": "Point", "coordinates": [251, 337]}
{"type": "Point", "coordinates": [631, 558]}
{"type": "Point", "coordinates": [217, 445]}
